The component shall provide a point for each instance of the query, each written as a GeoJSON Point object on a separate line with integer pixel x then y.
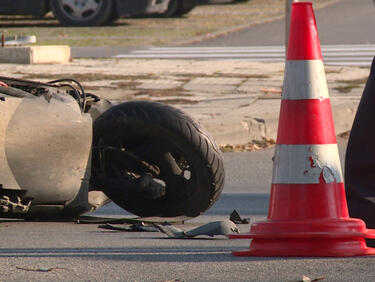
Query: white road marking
{"type": "Point", "coordinates": [343, 55]}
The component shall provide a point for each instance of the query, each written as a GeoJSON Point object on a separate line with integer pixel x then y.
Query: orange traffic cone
{"type": "Point", "coordinates": [308, 214]}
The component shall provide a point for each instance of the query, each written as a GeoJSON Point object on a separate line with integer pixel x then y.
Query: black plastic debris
{"type": "Point", "coordinates": [137, 227]}
{"type": "Point", "coordinates": [237, 219]}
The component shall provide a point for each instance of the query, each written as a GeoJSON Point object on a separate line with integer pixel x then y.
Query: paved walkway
{"type": "Point", "coordinates": [238, 101]}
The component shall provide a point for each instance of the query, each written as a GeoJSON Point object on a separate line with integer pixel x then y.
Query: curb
{"type": "Point", "coordinates": [241, 127]}
{"type": "Point", "coordinates": [35, 55]}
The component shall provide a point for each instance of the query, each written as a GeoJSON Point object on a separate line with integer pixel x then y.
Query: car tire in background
{"type": "Point", "coordinates": [82, 12]}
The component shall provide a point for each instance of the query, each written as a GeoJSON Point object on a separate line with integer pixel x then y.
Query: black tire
{"type": "Point", "coordinates": [152, 131]}
{"type": "Point", "coordinates": [93, 16]}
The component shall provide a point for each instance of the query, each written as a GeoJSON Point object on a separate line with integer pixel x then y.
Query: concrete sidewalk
{"type": "Point", "coordinates": [237, 101]}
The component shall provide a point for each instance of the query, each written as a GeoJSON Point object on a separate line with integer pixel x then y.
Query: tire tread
{"type": "Point", "coordinates": [176, 121]}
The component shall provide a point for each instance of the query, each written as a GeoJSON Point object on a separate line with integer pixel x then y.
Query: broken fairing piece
{"type": "Point", "coordinates": [211, 229]}
{"type": "Point", "coordinates": [308, 279]}
{"type": "Point", "coordinates": [42, 269]}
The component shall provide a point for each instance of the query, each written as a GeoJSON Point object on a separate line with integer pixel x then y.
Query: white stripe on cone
{"type": "Point", "coordinates": [305, 79]}
{"type": "Point", "coordinates": [304, 164]}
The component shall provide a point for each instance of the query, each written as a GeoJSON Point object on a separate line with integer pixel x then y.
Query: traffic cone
{"type": "Point", "coordinates": [308, 214]}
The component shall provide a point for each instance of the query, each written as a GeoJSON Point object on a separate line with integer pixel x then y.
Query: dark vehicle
{"type": "Point", "coordinates": [93, 12]}
{"type": "Point", "coordinates": [65, 152]}
{"type": "Point", "coordinates": [177, 8]}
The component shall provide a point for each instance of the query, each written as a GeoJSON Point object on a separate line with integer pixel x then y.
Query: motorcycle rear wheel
{"type": "Point", "coordinates": [189, 162]}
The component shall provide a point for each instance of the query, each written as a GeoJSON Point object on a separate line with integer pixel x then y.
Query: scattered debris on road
{"type": "Point", "coordinates": [237, 219]}
{"type": "Point", "coordinates": [42, 269]}
{"type": "Point", "coordinates": [308, 279]}
{"type": "Point", "coordinates": [271, 90]}
{"type": "Point", "coordinates": [211, 229]}
{"type": "Point", "coordinates": [137, 227]}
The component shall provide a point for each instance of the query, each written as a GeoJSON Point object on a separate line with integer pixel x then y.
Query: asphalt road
{"type": "Point", "coordinates": [345, 22]}
{"type": "Point", "coordinates": [337, 55]}
{"type": "Point", "coordinates": [51, 251]}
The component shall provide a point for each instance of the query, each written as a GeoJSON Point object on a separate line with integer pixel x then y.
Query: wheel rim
{"type": "Point", "coordinates": [80, 10]}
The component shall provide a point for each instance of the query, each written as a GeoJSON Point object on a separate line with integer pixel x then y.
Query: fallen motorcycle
{"type": "Point", "coordinates": [65, 152]}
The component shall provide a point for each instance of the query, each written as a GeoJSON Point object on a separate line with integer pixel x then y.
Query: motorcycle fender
{"type": "Point", "coordinates": [46, 144]}
{"type": "Point", "coordinates": [7, 109]}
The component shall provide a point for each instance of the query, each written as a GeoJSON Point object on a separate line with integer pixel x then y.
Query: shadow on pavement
{"type": "Point", "coordinates": [150, 254]}
{"type": "Point", "coordinates": [244, 203]}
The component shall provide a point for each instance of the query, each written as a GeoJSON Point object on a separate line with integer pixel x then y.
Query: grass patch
{"type": "Point", "coordinates": [178, 101]}
{"type": "Point", "coordinates": [344, 135]}
{"type": "Point", "coordinates": [346, 88]}
{"type": "Point", "coordinates": [203, 21]}
{"type": "Point", "coordinates": [164, 92]}
{"type": "Point", "coordinates": [251, 146]}
{"type": "Point", "coordinates": [242, 75]}
{"type": "Point", "coordinates": [83, 76]}
{"type": "Point", "coordinates": [348, 85]}
{"type": "Point", "coordinates": [94, 87]}
{"type": "Point", "coordinates": [125, 84]}
{"type": "Point", "coordinates": [188, 76]}
{"type": "Point", "coordinates": [354, 81]}
{"type": "Point", "coordinates": [333, 71]}
{"type": "Point", "coordinates": [159, 93]}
